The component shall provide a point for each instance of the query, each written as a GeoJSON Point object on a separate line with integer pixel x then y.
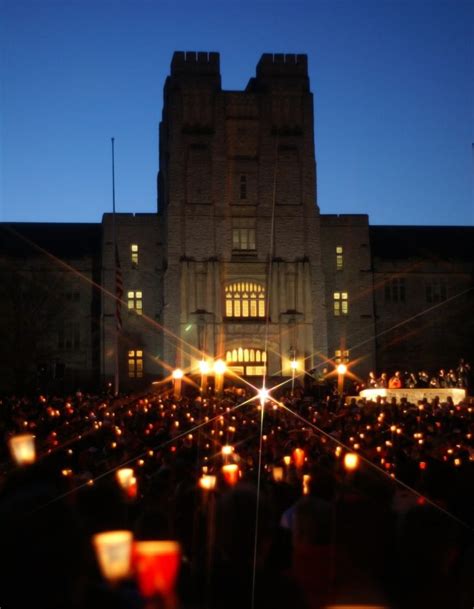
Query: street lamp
{"type": "Point", "coordinates": [294, 368]}
{"type": "Point", "coordinates": [263, 394]}
{"type": "Point", "coordinates": [341, 371]}
{"type": "Point", "coordinates": [204, 368]}
{"type": "Point", "coordinates": [177, 375]}
{"type": "Point", "coordinates": [219, 370]}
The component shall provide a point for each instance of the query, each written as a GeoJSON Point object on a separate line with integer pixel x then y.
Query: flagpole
{"type": "Point", "coordinates": [114, 239]}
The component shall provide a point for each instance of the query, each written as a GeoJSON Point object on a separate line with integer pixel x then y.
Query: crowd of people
{"type": "Point", "coordinates": [393, 531]}
{"type": "Point", "coordinates": [442, 379]}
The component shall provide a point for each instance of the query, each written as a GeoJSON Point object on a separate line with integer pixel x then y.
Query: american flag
{"type": "Point", "coordinates": [118, 291]}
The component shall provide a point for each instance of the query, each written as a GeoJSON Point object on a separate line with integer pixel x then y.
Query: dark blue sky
{"type": "Point", "coordinates": [393, 85]}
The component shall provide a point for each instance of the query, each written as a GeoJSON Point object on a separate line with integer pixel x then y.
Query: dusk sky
{"type": "Point", "coordinates": [392, 83]}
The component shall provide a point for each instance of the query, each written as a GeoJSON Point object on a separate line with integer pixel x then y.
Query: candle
{"type": "Point", "coordinates": [351, 461]}
{"type": "Point", "coordinates": [287, 460]}
{"type": "Point", "coordinates": [306, 484]}
{"type": "Point", "coordinates": [277, 474]}
{"type": "Point", "coordinates": [231, 473]}
{"type": "Point", "coordinates": [156, 564]}
{"type": "Point", "coordinates": [207, 482]}
{"type": "Point", "coordinates": [298, 457]}
{"type": "Point", "coordinates": [22, 448]}
{"type": "Point", "coordinates": [113, 551]}
{"type": "Point", "coordinates": [128, 482]}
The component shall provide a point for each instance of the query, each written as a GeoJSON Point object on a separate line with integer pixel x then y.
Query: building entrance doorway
{"type": "Point", "coordinates": [247, 361]}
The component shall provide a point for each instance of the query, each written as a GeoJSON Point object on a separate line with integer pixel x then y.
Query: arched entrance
{"type": "Point", "coordinates": [246, 361]}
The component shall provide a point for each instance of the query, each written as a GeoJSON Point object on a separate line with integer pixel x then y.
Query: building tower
{"type": "Point", "coordinates": [237, 189]}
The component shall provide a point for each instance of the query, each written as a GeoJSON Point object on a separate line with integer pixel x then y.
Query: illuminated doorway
{"type": "Point", "coordinates": [247, 361]}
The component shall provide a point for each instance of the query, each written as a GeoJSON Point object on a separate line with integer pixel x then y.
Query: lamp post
{"type": "Point", "coordinates": [294, 367]}
{"type": "Point", "coordinates": [341, 371]}
{"type": "Point", "coordinates": [204, 369]}
{"type": "Point", "coordinates": [219, 370]}
{"type": "Point", "coordinates": [177, 381]}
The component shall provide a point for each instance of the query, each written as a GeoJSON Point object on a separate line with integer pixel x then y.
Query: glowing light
{"type": "Point", "coordinates": [156, 564]}
{"type": "Point", "coordinates": [22, 449]}
{"type": "Point", "coordinates": [263, 394]}
{"type": "Point", "coordinates": [231, 473]}
{"type": "Point", "coordinates": [126, 478]}
{"type": "Point", "coordinates": [298, 457]}
{"type": "Point", "coordinates": [113, 551]}
{"type": "Point", "coordinates": [294, 364]}
{"type": "Point", "coordinates": [287, 460]}
{"type": "Point", "coordinates": [227, 450]}
{"type": "Point", "coordinates": [177, 374]}
{"type": "Point", "coordinates": [351, 461]}
{"type": "Point", "coordinates": [341, 369]}
{"type": "Point", "coordinates": [207, 482]}
{"type": "Point", "coordinates": [306, 484]}
{"type": "Point", "coordinates": [220, 367]}
{"type": "Point", "coordinates": [277, 473]}
{"type": "Point", "coordinates": [204, 367]}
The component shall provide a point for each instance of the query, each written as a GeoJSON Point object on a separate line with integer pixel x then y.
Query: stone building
{"type": "Point", "coordinates": [239, 264]}
{"type": "Point", "coordinates": [50, 305]}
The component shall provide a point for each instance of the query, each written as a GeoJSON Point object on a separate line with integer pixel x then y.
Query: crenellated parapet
{"type": "Point", "coordinates": [282, 64]}
{"type": "Point", "coordinates": [193, 64]}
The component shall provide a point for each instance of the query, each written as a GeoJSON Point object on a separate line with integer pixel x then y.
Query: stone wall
{"type": "Point", "coordinates": [139, 331]}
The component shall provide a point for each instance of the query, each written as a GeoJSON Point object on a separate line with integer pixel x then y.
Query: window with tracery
{"type": "Point", "coordinates": [244, 299]}
{"type": "Point", "coordinates": [246, 361]}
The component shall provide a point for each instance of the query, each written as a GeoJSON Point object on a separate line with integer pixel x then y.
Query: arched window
{"type": "Point", "coordinates": [244, 299]}
{"type": "Point", "coordinates": [247, 362]}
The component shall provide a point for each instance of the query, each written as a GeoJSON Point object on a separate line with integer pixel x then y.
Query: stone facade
{"type": "Point", "coordinates": [139, 245]}
{"type": "Point", "coordinates": [423, 295]}
{"type": "Point", "coordinates": [347, 268]}
{"type": "Point", "coordinates": [234, 163]}
{"type": "Point", "coordinates": [237, 263]}
{"type": "Point", "coordinates": [50, 306]}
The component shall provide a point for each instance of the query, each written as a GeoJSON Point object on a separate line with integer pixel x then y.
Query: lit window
{"type": "Point", "coordinates": [249, 362]}
{"type": "Point", "coordinates": [243, 187]}
{"type": "Point", "coordinates": [244, 299]}
{"type": "Point", "coordinates": [134, 254]}
{"type": "Point", "coordinates": [436, 291]}
{"type": "Point", "coordinates": [135, 302]}
{"type": "Point", "coordinates": [341, 356]}
{"type": "Point", "coordinates": [339, 258]}
{"type": "Point", "coordinates": [243, 234]}
{"type": "Point", "coordinates": [135, 364]}
{"type": "Point", "coordinates": [341, 303]}
{"type": "Point", "coordinates": [395, 290]}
